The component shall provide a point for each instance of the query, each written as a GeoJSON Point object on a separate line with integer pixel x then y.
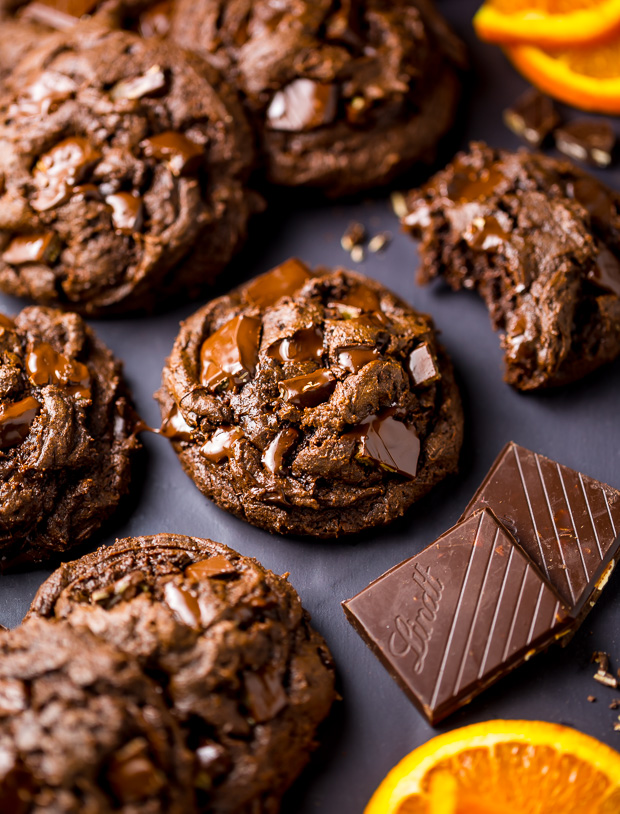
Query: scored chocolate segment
{"type": "Point", "coordinates": [568, 523]}
{"type": "Point", "coordinates": [389, 443]}
{"type": "Point", "coordinates": [456, 617]}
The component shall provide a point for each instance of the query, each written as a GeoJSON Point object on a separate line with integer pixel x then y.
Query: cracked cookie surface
{"type": "Point", "coordinates": [246, 676]}
{"type": "Point", "coordinates": [312, 403]}
{"type": "Point", "coordinates": [67, 434]}
{"type": "Point", "coordinates": [124, 163]}
{"type": "Point", "coordinates": [345, 95]}
{"type": "Point", "coordinates": [83, 730]}
{"type": "Point", "coordinates": [538, 238]}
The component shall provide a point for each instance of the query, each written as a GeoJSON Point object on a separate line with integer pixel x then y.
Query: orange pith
{"type": "Point", "coordinates": [587, 78]}
{"type": "Point", "coordinates": [504, 767]}
{"type": "Point", "coordinates": [548, 23]}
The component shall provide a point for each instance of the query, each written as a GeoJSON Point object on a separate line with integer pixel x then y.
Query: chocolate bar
{"type": "Point", "coordinates": [568, 523]}
{"type": "Point", "coordinates": [453, 619]}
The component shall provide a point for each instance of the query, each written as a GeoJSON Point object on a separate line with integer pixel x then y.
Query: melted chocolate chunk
{"type": "Point", "coordinates": [44, 95]}
{"type": "Point", "coordinates": [58, 170]}
{"type": "Point", "coordinates": [389, 443]}
{"type": "Point", "coordinates": [216, 566]}
{"type": "Point", "coordinates": [221, 445]}
{"type": "Point", "coordinates": [303, 105]}
{"type": "Point", "coordinates": [606, 271]}
{"type": "Point", "coordinates": [587, 140]}
{"type": "Point", "coordinates": [308, 390]}
{"type": "Point", "coordinates": [354, 357]}
{"type": "Point", "coordinates": [469, 184]}
{"type": "Point", "coordinates": [273, 456]}
{"type": "Point", "coordinates": [359, 297]}
{"type": "Point", "coordinates": [459, 615]}
{"type": "Point", "coordinates": [304, 345]}
{"type": "Point", "coordinates": [486, 234]}
{"type": "Point", "coordinates": [422, 365]}
{"type": "Point", "coordinates": [126, 212]}
{"type": "Point", "coordinates": [16, 420]}
{"type": "Point", "coordinates": [41, 248]}
{"type": "Point", "coordinates": [532, 117]}
{"type": "Point", "coordinates": [132, 775]}
{"type": "Point", "coordinates": [183, 156]}
{"type": "Point", "coordinates": [183, 603]}
{"type": "Point", "coordinates": [175, 427]}
{"type": "Point", "coordinates": [151, 83]}
{"type": "Point", "coordinates": [45, 366]}
{"type": "Point", "coordinates": [233, 348]}
{"type": "Point", "coordinates": [282, 281]}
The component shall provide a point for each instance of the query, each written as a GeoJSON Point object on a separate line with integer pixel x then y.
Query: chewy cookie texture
{"type": "Point", "coordinates": [538, 238]}
{"type": "Point", "coordinates": [312, 402]}
{"type": "Point", "coordinates": [244, 674]}
{"type": "Point", "coordinates": [124, 164]}
{"type": "Point", "coordinates": [82, 729]}
{"type": "Point", "coordinates": [344, 95]}
{"type": "Point", "coordinates": [67, 434]}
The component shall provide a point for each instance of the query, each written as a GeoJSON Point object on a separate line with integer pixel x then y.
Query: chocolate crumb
{"type": "Point", "coordinates": [603, 674]}
{"type": "Point", "coordinates": [615, 704]}
{"type": "Point", "coordinates": [379, 242]}
{"type": "Point", "coordinates": [592, 699]}
{"type": "Point", "coordinates": [354, 235]}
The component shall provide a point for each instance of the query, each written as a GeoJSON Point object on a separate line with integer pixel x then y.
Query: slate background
{"type": "Point", "coordinates": [375, 725]}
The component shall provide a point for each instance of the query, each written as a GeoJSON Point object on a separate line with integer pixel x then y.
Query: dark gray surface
{"type": "Point", "coordinates": [375, 725]}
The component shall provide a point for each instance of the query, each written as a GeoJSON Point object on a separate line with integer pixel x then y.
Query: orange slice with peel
{"type": "Point", "coordinates": [587, 78]}
{"type": "Point", "coordinates": [504, 767]}
{"type": "Point", "coordinates": [548, 23]}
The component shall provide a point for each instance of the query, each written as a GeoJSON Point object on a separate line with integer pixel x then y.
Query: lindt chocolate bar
{"type": "Point", "coordinates": [568, 523]}
{"type": "Point", "coordinates": [465, 611]}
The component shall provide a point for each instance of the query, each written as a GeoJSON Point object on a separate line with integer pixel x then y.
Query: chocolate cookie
{"type": "Point", "coordinates": [17, 38]}
{"type": "Point", "coordinates": [244, 672]}
{"type": "Point", "coordinates": [345, 95]}
{"type": "Point", "coordinates": [312, 403]}
{"type": "Point", "coordinates": [67, 434]}
{"type": "Point", "coordinates": [538, 238]}
{"type": "Point", "coordinates": [83, 730]}
{"type": "Point", "coordinates": [124, 163]}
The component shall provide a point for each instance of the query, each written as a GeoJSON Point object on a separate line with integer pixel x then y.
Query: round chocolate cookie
{"type": "Point", "coordinates": [539, 239]}
{"type": "Point", "coordinates": [245, 674]}
{"type": "Point", "coordinates": [67, 434]}
{"type": "Point", "coordinates": [312, 403]}
{"type": "Point", "coordinates": [83, 730]}
{"type": "Point", "coordinates": [124, 164]}
{"type": "Point", "coordinates": [345, 95]}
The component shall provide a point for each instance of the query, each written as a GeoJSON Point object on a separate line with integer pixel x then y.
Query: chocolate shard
{"type": "Point", "coordinates": [221, 445]}
{"type": "Point", "coordinates": [389, 443]}
{"type": "Point", "coordinates": [58, 170]}
{"type": "Point", "coordinates": [605, 273]}
{"type": "Point", "coordinates": [587, 140]}
{"type": "Point", "coordinates": [273, 456]}
{"type": "Point", "coordinates": [44, 366]}
{"type": "Point", "coordinates": [16, 420]}
{"type": "Point", "coordinates": [306, 344]}
{"type": "Point", "coordinates": [423, 365]}
{"type": "Point", "coordinates": [216, 566]}
{"type": "Point", "coordinates": [303, 105]}
{"type": "Point", "coordinates": [39, 248]}
{"type": "Point", "coordinates": [182, 155]}
{"type": "Point", "coordinates": [568, 523]}
{"type": "Point", "coordinates": [282, 281]}
{"type": "Point", "coordinates": [453, 619]}
{"type": "Point", "coordinates": [233, 349]}
{"type": "Point", "coordinates": [354, 357]}
{"type": "Point", "coordinates": [126, 212]}
{"type": "Point", "coordinates": [532, 117]}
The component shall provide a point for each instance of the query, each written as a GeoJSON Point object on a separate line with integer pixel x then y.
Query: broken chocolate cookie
{"type": "Point", "coordinates": [538, 238]}
{"type": "Point", "coordinates": [124, 165]}
{"type": "Point", "coordinates": [67, 434]}
{"type": "Point", "coordinates": [312, 403]}
{"type": "Point", "coordinates": [344, 95]}
{"type": "Point", "coordinates": [83, 730]}
{"type": "Point", "coordinates": [245, 674]}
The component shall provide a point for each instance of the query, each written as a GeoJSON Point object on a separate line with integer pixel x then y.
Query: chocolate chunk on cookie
{"type": "Point", "coordinates": [246, 676]}
{"type": "Point", "coordinates": [131, 157]}
{"type": "Point", "coordinates": [345, 95]}
{"type": "Point", "coordinates": [67, 433]}
{"type": "Point", "coordinates": [82, 729]}
{"type": "Point", "coordinates": [312, 403]}
{"type": "Point", "coordinates": [538, 238]}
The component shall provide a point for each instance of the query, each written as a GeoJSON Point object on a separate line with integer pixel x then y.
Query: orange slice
{"type": "Point", "coordinates": [587, 78]}
{"type": "Point", "coordinates": [548, 23]}
{"type": "Point", "coordinates": [504, 767]}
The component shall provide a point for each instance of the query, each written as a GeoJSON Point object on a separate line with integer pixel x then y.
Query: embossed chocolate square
{"type": "Point", "coordinates": [460, 614]}
{"type": "Point", "coordinates": [568, 523]}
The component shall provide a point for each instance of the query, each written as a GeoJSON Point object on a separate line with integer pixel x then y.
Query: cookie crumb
{"type": "Point", "coordinates": [592, 699]}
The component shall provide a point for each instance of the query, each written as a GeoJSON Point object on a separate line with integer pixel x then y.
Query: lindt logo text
{"type": "Point", "coordinates": [413, 635]}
